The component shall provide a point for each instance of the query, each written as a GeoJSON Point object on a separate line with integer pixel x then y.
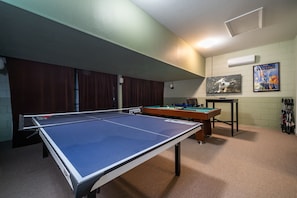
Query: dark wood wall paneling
{"type": "Point", "coordinates": [38, 88]}
{"type": "Point", "coordinates": [43, 88]}
{"type": "Point", "coordinates": [97, 90]}
{"type": "Point", "coordinates": [138, 92]}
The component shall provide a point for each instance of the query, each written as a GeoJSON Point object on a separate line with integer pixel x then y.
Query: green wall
{"type": "Point", "coordinates": [122, 23]}
{"type": "Point", "coordinates": [262, 112]}
{"type": "Point", "coordinates": [261, 109]}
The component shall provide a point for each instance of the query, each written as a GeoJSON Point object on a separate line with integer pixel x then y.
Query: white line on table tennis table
{"type": "Point", "coordinates": [81, 112]}
{"type": "Point", "coordinates": [93, 118]}
{"type": "Point", "coordinates": [56, 124]}
{"type": "Point", "coordinates": [22, 117]}
{"type": "Point", "coordinates": [124, 125]}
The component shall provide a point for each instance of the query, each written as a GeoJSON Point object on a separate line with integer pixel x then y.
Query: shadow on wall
{"type": "Point", "coordinates": [173, 101]}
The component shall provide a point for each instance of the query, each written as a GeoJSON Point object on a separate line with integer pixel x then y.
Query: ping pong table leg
{"type": "Point", "coordinates": [92, 194]}
{"type": "Point", "coordinates": [177, 159]}
{"type": "Point", "coordinates": [44, 150]}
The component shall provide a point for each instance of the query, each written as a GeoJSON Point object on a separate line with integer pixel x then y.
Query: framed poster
{"type": "Point", "coordinates": [266, 77]}
{"type": "Point", "coordinates": [223, 84]}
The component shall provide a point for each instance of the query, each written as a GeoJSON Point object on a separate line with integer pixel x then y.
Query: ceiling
{"type": "Point", "coordinates": [29, 36]}
{"type": "Point", "coordinates": [196, 20]}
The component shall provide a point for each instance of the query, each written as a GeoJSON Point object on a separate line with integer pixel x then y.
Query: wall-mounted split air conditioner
{"type": "Point", "coordinates": [244, 60]}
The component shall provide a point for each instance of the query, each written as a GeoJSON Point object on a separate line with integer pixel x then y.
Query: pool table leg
{"type": "Point", "coordinates": [204, 132]}
{"type": "Point", "coordinates": [207, 127]}
{"type": "Point", "coordinates": [200, 137]}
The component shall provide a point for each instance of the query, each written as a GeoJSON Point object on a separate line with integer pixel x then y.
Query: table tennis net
{"type": "Point", "coordinates": [27, 122]}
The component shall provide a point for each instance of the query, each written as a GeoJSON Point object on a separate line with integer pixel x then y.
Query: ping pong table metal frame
{"type": "Point", "coordinates": [87, 186]}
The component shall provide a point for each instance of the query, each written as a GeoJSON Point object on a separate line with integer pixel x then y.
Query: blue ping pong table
{"type": "Point", "coordinates": [92, 149]}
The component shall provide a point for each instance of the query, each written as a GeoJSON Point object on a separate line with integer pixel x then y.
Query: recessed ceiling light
{"type": "Point", "coordinates": [208, 43]}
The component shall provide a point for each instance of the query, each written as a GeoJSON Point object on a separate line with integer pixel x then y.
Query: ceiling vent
{"type": "Point", "coordinates": [245, 23]}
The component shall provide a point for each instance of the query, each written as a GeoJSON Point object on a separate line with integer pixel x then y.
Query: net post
{"type": "Point", "coordinates": [135, 110]}
{"type": "Point", "coordinates": [21, 122]}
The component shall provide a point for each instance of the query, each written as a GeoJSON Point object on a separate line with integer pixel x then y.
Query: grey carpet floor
{"type": "Point", "coordinates": [256, 162]}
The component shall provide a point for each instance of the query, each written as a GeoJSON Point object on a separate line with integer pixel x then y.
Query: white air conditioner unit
{"type": "Point", "coordinates": [244, 60]}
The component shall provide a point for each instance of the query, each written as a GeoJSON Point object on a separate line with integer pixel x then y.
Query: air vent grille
{"type": "Point", "coordinates": [245, 23]}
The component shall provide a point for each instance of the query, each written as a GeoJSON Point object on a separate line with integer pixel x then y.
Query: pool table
{"type": "Point", "coordinates": [200, 114]}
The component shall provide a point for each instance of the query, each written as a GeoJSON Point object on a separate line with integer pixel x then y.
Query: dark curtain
{"type": "Point", "coordinates": [38, 88]}
{"type": "Point", "coordinates": [138, 92]}
{"type": "Point", "coordinates": [97, 90]}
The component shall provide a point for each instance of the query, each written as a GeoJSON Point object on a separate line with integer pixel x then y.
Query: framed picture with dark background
{"type": "Point", "coordinates": [223, 84]}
